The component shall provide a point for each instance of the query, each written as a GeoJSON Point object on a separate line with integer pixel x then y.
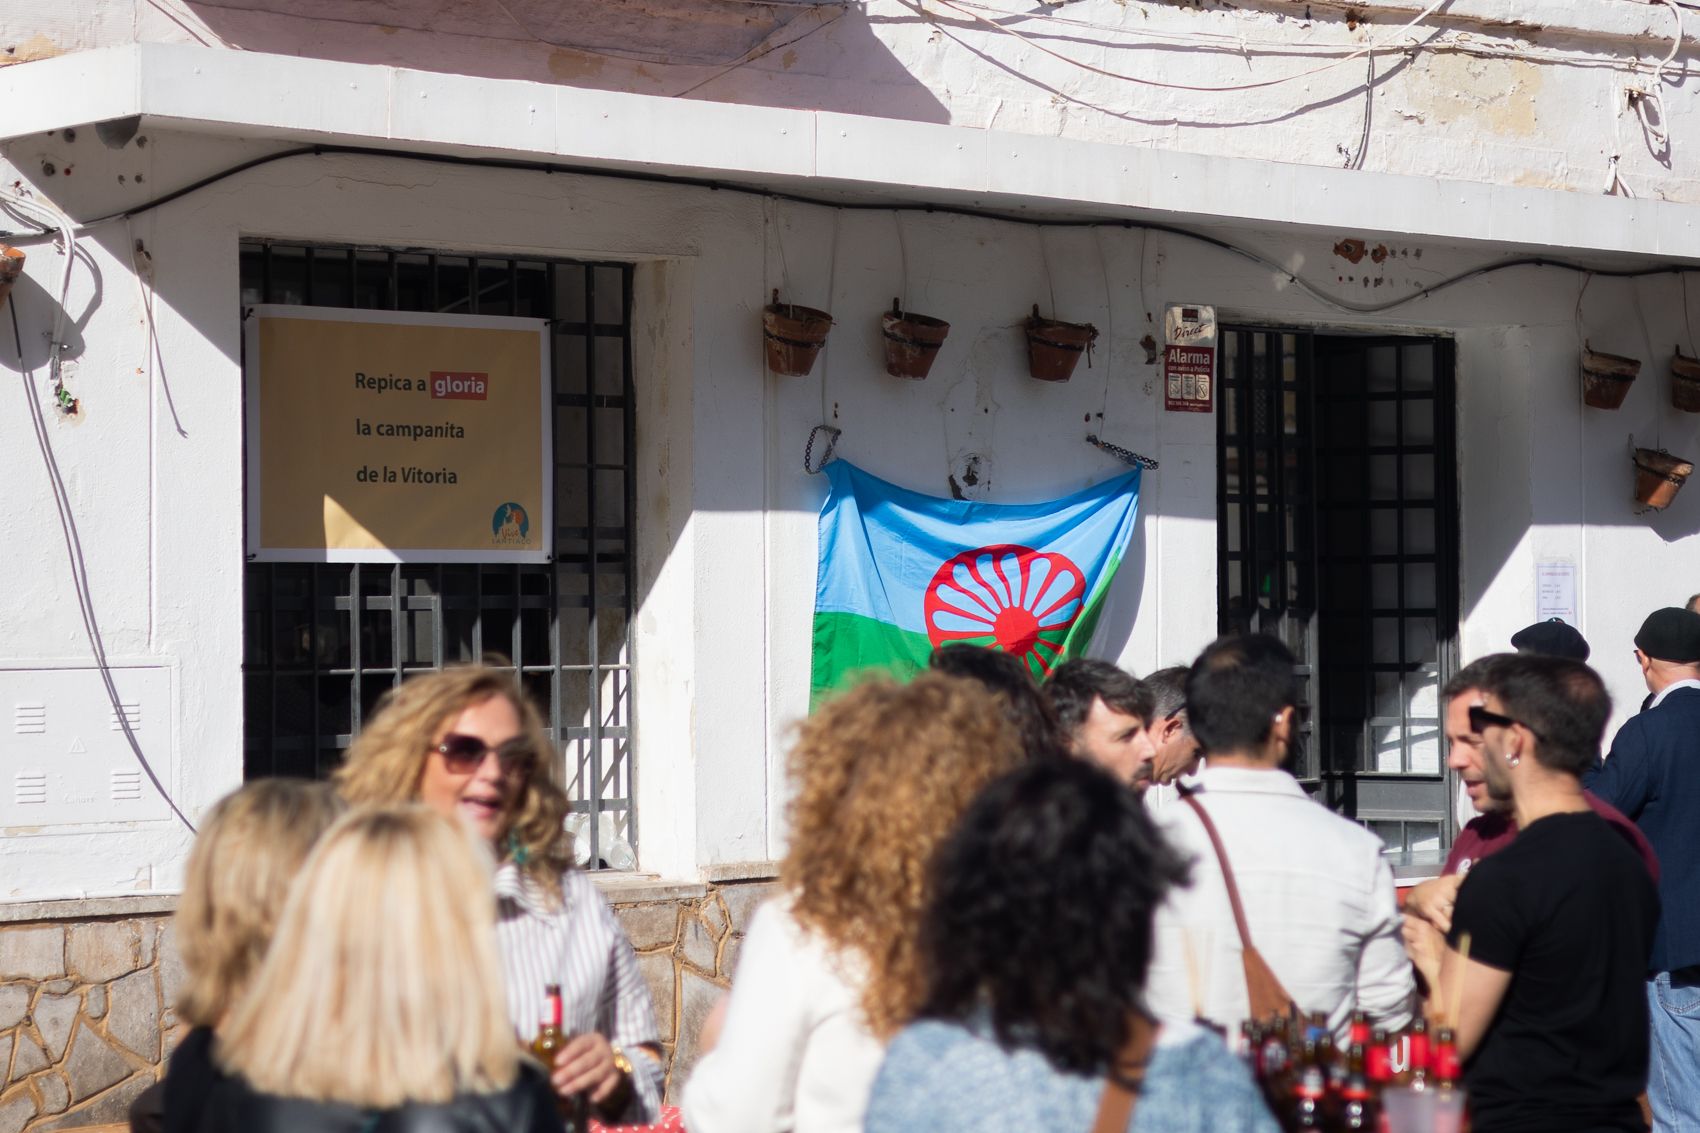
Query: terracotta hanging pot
{"type": "Point", "coordinates": [11, 267]}
{"type": "Point", "coordinates": [1685, 383]}
{"type": "Point", "coordinates": [1658, 477]}
{"type": "Point", "coordinates": [793, 336]}
{"type": "Point", "coordinates": [911, 342]}
{"type": "Point", "coordinates": [1606, 378]}
{"type": "Point", "coordinates": [1054, 347]}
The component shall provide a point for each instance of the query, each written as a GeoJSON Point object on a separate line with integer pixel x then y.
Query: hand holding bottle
{"type": "Point", "coordinates": [585, 1064]}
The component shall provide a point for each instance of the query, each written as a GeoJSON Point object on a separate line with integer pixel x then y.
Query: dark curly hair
{"type": "Point", "coordinates": [1040, 909]}
{"type": "Point", "coordinates": [1011, 682]}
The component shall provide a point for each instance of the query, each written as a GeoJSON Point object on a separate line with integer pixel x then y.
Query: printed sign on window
{"type": "Point", "coordinates": [381, 436]}
{"type": "Point", "coordinates": [1189, 358]}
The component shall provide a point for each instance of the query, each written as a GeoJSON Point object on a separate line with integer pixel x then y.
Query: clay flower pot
{"type": "Point", "coordinates": [1658, 477]}
{"type": "Point", "coordinates": [911, 342]}
{"type": "Point", "coordinates": [1685, 383]}
{"type": "Point", "coordinates": [793, 336]}
{"type": "Point", "coordinates": [1054, 347]}
{"type": "Point", "coordinates": [11, 267]}
{"type": "Point", "coordinates": [1606, 378]}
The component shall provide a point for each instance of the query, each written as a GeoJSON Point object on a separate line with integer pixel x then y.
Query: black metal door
{"type": "Point", "coordinates": [1338, 514]}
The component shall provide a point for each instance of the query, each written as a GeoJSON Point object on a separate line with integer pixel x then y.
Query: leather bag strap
{"type": "Point", "coordinates": [1115, 1105]}
{"type": "Point", "coordinates": [1188, 797]}
{"type": "Point", "coordinates": [1265, 996]}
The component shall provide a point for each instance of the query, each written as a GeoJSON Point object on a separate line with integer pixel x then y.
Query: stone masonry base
{"type": "Point", "coordinates": [86, 992]}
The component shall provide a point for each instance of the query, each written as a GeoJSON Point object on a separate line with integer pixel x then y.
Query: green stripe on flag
{"type": "Point", "coordinates": [848, 645]}
{"type": "Point", "coordinates": [1080, 633]}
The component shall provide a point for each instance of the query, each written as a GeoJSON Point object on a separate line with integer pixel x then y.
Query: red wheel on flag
{"type": "Point", "coordinates": [1006, 597]}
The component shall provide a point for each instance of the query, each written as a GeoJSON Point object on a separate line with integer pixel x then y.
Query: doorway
{"type": "Point", "coordinates": [1337, 515]}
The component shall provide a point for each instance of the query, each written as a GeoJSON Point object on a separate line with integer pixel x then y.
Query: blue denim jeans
{"type": "Point", "coordinates": [1673, 1076]}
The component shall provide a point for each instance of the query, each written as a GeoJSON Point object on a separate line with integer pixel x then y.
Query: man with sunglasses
{"type": "Point", "coordinates": [1550, 936]}
{"type": "Point", "coordinates": [1428, 905]}
{"type": "Point", "coordinates": [1653, 776]}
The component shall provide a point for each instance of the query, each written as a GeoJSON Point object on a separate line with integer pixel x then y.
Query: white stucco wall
{"type": "Point", "coordinates": [1517, 92]}
{"type": "Point", "coordinates": [725, 512]}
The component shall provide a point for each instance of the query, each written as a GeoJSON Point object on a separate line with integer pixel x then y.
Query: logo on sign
{"type": "Point", "coordinates": [459, 385]}
{"type": "Point", "coordinates": [510, 524]}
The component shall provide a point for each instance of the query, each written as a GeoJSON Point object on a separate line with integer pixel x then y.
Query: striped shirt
{"type": "Point", "coordinates": [581, 946]}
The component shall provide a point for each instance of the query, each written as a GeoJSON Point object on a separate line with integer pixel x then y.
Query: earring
{"type": "Point", "coordinates": [1513, 760]}
{"type": "Point", "coordinates": [516, 849]}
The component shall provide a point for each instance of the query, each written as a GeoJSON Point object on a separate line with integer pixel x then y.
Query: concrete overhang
{"type": "Point", "coordinates": [843, 157]}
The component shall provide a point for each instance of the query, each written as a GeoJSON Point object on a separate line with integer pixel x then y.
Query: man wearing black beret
{"type": "Point", "coordinates": [1653, 775]}
{"type": "Point", "coordinates": [1551, 638]}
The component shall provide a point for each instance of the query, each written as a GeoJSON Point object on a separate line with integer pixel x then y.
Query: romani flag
{"type": "Point", "coordinates": [901, 574]}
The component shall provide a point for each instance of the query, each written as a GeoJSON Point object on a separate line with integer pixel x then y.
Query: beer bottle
{"type": "Point", "coordinates": [1419, 1054]}
{"type": "Point", "coordinates": [1309, 1108]}
{"type": "Point", "coordinates": [574, 1111]}
{"type": "Point", "coordinates": [1378, 1060]}
{"type": "Point", "coordinates": [1333, 1066]}
{"type": "Point", "coordinates": [1275, 1068]}
{"type": "Point", "coordinates": [1447, 1066]}
{"type": "Point", "coordinates": [1360, 1032]}
{"type": "Point", "coordinates": [1360, 1108]}
{"type": "Point", "coordinates": [550, 1038]}
{"type": "Point", "coordinates": [1251, 1049]}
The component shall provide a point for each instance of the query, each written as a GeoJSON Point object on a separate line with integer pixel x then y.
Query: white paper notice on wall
{"type": "Point", "coordinates": [1555, 591]}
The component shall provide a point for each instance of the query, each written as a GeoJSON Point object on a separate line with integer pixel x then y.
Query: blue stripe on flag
{"type": "Point", "coordinates": [881, 546]}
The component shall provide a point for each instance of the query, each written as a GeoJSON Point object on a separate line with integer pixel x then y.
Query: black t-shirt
{"type": "Point", "coordinates": [1569, 911]}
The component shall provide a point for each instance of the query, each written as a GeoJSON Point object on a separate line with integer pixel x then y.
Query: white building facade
{"type": "Point", "coordinates": [1346, 187]}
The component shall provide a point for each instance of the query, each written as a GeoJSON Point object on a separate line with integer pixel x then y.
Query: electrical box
{"type": "Point", "coordinates": [68, 746]}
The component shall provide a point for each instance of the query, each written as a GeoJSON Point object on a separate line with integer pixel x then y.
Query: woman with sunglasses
{"type": "Point", "coordinates": [467, 742]}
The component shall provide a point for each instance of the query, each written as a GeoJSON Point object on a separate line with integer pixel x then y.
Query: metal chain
{"type": "Point", "coordinates": [1126, 456]}
{"type": "Point", "coordinates": [833, 434]}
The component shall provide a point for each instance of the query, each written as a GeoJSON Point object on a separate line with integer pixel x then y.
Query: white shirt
{"type": "Point", "coordinates": [795, 1053]}
{"type": "Point", "coordinates": [580, 945]}
{"type": "Point", "coordinates": [1672, 687]}
{"type": "Point", "coordinates": [1318, 900]}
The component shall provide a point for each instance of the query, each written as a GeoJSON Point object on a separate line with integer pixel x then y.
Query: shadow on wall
{"type": "Point", "coordinates": [798, 55]}
{"type": "Point", "coordinates": [35, 307]}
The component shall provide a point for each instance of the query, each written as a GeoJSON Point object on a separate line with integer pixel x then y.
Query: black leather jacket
{"type": "Point", "coordinates": [528, 1106]}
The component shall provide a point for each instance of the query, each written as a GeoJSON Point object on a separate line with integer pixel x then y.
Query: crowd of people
{"type": "Point", "coordinates": [1005, 904]}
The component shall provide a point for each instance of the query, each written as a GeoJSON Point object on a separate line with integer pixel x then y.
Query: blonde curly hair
{"type": "Point", "coordinates": [881, 773]}
{"type": "Point", "coordinates": [387, 759]}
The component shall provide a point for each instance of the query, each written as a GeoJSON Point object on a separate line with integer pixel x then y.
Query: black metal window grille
{"type": "Point", "coordinates": [322, 641]}
{"type": "Point", "coordinates": [1266, 576]}
{"type": "Point", "coordinates": [1338, 510]}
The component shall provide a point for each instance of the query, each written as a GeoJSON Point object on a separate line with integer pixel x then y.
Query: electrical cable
{"type": "Point", "coordinates": [767, 46]}
{"type": "Point", "coordinates": [177, 19]}
{"type": "Point", "coordinates": [1259, 85]}
{"type": "Point", "coordinates": [67, 233]}
{"type": "Point", "coordinates": [1238, 45]}
{"type": "Point", "coordinates": [79, 574]}
{"type": "Point", "coordinates": [1653, 93]}
{"type": "Point", "coordinates": [859, 206]}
